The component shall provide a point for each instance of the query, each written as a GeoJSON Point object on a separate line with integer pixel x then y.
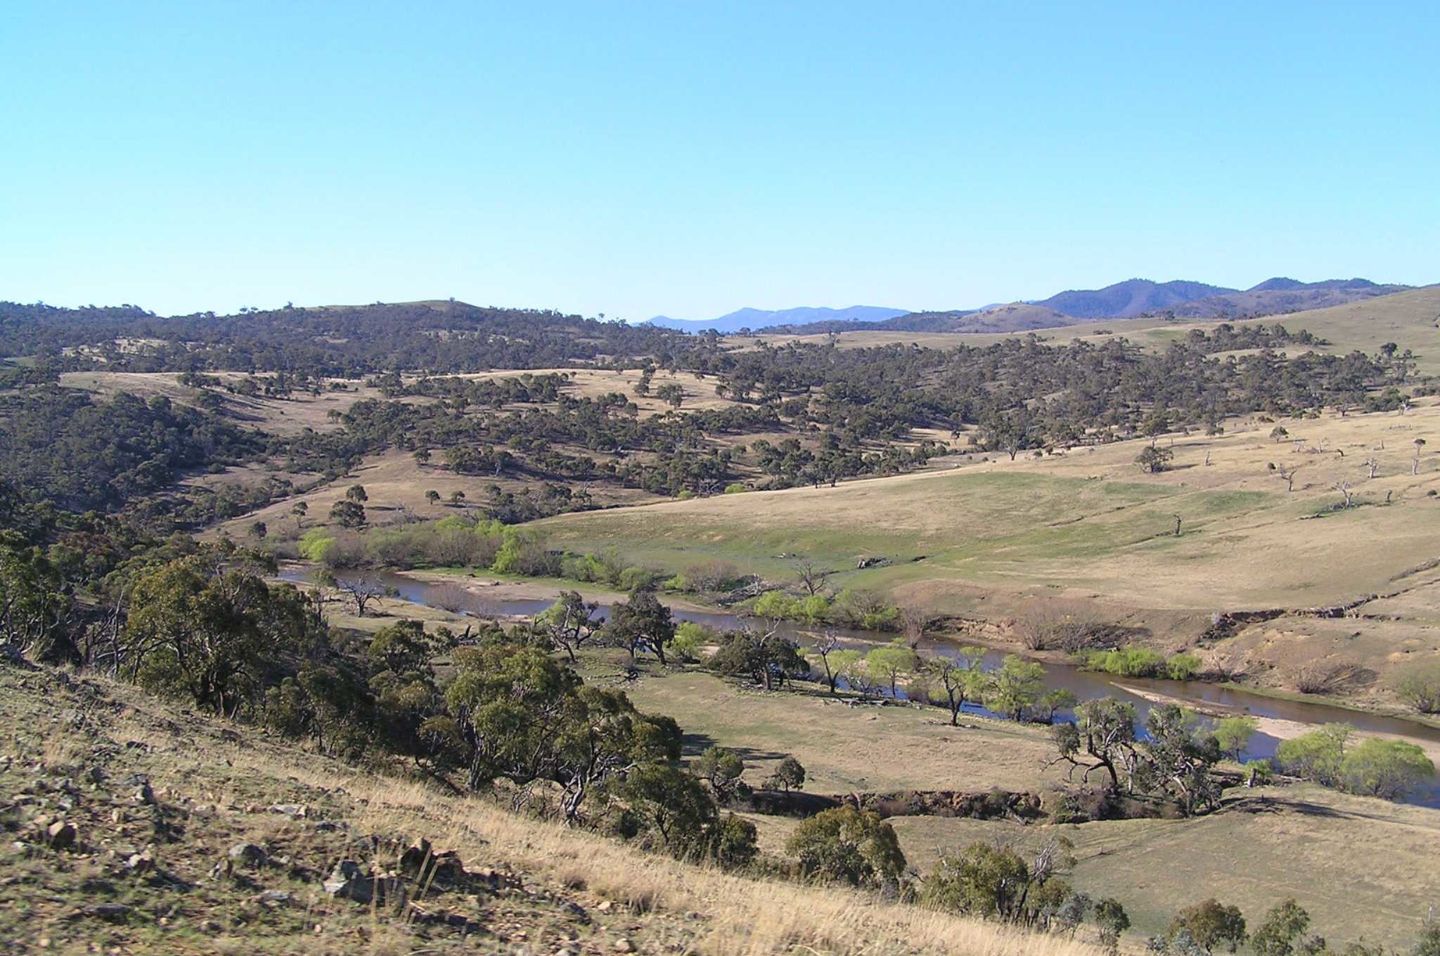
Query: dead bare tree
{"type": "Point", "coordinates": [917, 622]}
{"type": "Point", "coordinates": [827, 645]}
{"type": "Point", "coordinates": [1372, 465]}
{"type": "Point", "coordinates": [1419, 443]}
{"type": "Point", "coordinates": [1344, 488]}
{"type": "Point", "coordinates": [1285, 474]}
{"type": "Point", "coordinates": [812, 576]}
{"type": "Point", "coordinates": [362, 589]}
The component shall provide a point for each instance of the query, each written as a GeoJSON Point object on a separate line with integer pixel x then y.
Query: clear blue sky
{"type": "Point", "coordinates": [691, 158]}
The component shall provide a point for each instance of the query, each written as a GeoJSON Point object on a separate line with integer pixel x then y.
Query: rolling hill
{"type": "Point", "coordinates": [1134, 299]}
{"type": "Point", "coordinates": [1280, 296]}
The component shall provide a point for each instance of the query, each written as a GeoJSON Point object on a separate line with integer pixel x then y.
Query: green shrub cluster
{"type": "Point", "coordinates": [1134, 661]}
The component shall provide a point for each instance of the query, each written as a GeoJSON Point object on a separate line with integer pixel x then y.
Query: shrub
{"type": "Point", "coordinates": [735, 488]}
{"type": "Point", "coordinates": [1316, 755]}
{"type": "Point", "coordinates": [638, 579]}
{"type": "Point", "coordinates": [1420, 687]}
{"type": "Point", "coordinates": [522, 553]}
{"type": "Point", "coordinates": [1384, 768]}
{"type": "Point", "coordinates": [846, 845]}
{"type": "Point", "coordinates": [867, 610]}
{"type": "Point", "coordinates": [776, 606]}
{"type": "Point", "coordinates": [712, 576]}
{"type": "Point", "coordinates": [814, 609]}
{"type": "Point", "coordinates": [315, 543]}
{"type": "Point", "coordinates": [1182, 667]}
{"type": "Point", "coordinates": [982, 880]}
{"type": "Point", "coordinates": [789, 775]}
{"type": "Point", "coordinates": [690, 639]}
{"type": "Point", "coordinates": [1126, 662]}
{"type": "Point", "coordinates": [1259, 772]}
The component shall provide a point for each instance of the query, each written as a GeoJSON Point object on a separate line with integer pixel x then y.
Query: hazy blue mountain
{"type": "Point", "coordinates": [1281, 295]}
{"type": "Point", "coordinates": [765, 318]}
{"type": "Point", "coordinates": [1131, 297]}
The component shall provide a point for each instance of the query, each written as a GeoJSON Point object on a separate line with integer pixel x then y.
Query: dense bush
{"type": "Point", "coordinates": [1135, 661]}
{"type": "Point", "coordinates": [1374, 767]}
{"type": "Point", "coordinates": [995, 882]}
{"type": "Point", "coordinates": [846, 845]}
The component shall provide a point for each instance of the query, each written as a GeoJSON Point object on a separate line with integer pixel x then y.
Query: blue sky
{"type": "Point", "coordinates": [638, 158]}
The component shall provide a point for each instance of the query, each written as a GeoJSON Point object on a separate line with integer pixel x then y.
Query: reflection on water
{"type": "Point", "coordinates": [1084, 685]}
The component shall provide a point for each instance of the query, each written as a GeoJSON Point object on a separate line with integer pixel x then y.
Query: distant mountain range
{"type": "Point", "coordinates": [1123, 300]}
{"type": "Point", "coordinates": [768, 318]}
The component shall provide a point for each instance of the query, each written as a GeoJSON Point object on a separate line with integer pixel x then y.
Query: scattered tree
{"type": "Point", "coordinates": [766, 657]}
{"type": "Point", "coordinates": [1154, 460]}
{"type": "Point", "coordinates": [569, 623]}
{"type": "Point", "coordinates": [641, 623]}
{"type": "Point", "coordinates": [1211, 924]}
{"type": "Point", "coordinates": [1233, 734]}
{"type": "Point", "coordinates": [1015, 687]}
{"type": "Point", "coordinates": [995, 882]}
{"type": "Point", "coordinates": [1112, 921]}
{"type": "Point", "coordinates": [959, 677]}
{"type": "Point", "coordinates": [890, 663]}
{"type": "Point", "coordinates": [789, 775]}
{"type": "Point", "coordinates": [721, 769]}
{"type": "Point", "coordinates": [1102, 738]}
{"type": "Point", "coordinates": [348, 514]}
{"type": "Point", "coordinates": [1283, 932]}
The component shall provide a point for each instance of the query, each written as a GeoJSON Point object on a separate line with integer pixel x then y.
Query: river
{"type": "Point", "coordinates": [1085, 685]}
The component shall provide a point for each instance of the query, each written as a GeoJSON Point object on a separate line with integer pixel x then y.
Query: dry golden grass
{"type": "Point", "coordinates": [747, 917]}
{"type": "Point", "coordinates": [396, 485]}
{"type": "Point", "coordinates": [664, 905]}
{"type": "Point", "coordinates": [846, 749]}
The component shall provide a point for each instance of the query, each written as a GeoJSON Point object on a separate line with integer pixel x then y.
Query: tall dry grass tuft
{"type": "Point", "coordinates": [747, 916]}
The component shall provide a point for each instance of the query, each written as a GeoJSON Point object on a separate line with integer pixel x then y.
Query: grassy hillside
{"type": "Point", "coordinates": [992, 538]}
{"type": "Point", "coordinates": [162, 802]}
